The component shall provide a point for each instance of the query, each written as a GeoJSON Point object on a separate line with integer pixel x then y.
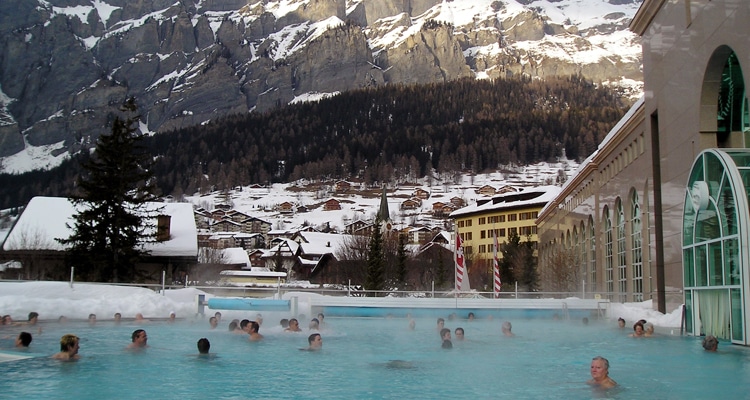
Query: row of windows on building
{"type": "Point", "coordinates": [622, 236]}
{"type": "Point", "coordinates": [501, 232]}
{"type": "Point", "coordinates": [524, 216]}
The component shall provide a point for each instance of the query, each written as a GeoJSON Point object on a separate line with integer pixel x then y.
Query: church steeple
{"type": "Point", "coordinates": [384, 215]}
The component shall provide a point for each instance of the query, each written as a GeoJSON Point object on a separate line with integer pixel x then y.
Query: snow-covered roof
{"type": "Point", "coordinates": [604, 143]}
{"type": "Point", "coordinates": [48, 218]}
{"type": "Point", "coordinates": [322, 243]}
{"type": "Point", "coordinates": [540, 195]}
{"type": "Point", "coordinates": [235, 255]}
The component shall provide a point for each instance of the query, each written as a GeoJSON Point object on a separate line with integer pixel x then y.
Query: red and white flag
{"type": "Point", "coordinates": [460, 266]}
{"type": "Point", "coordinates": [496, 269]}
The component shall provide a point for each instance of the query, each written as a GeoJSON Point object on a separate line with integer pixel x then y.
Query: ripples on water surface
{"type": "Point", "coordinates": [374, 358]}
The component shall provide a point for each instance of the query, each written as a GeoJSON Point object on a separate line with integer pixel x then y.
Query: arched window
{"type": "Point", "coordinates": [622, 266]}
{"type": "Point", "coordinates": [636, 246]}
{"type": "Point", "coordinates": [592, 254]}
{"type": "Point", "coordinates": [608, 254]}
{"type": "Point", "coordinates": [582, 249]}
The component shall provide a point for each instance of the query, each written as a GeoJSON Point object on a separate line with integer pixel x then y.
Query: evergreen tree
{"type": "Point", "coordinates": [111, 223]}
{"type": "Point", "coordinates": [401, 260]}
{"type": "Point", "coordinates": [440, 278]}
{"type": "Point", "coordinates": [529, 277]}
{"type": "Point", "coordinates": [508, 264]}
{"type": "Point", "coordinates": [375, 260]}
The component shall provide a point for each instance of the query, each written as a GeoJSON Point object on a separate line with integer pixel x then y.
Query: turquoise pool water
{"type": "Point", "coordinates": [547, 359]}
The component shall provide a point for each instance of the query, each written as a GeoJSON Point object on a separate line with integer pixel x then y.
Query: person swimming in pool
{"type": "Point", "coordinates": [507, 329]}
{"type": "Point", "coordinates": [314, 342]}
{"type": "Point", "coordinates": [253, 328]}
{"type": "Point", "coordinates": [203, 346]}
{"type": "Point", "coordinates": [638, 330]}
{"type": "Point", "coordinates": [600, 374]}
{"type": "Point", "coordinates": [23, 340]}
{"type": "Point", "coordinates": [459, 332]}
{"type": "Point", "coordinates": [139, 340]}
{"type": "Point", "coordinates": [293, 326]}
{"type": "Point", "coordinates": [68, 348]}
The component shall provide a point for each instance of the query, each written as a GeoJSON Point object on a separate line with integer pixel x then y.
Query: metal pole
{"type": "Point", "coordinates": [583, 285]}
{"type": "Point", "coordinates": [72, 270]}
{"type": "Point", "coordinates": [516, 289]}
{"type": "Point", "coordinates": [163, 278]}
{"type": "Point", "coordinates": [433, 289]}
{"type": "Point", "coordinates": [278, 287]}
{"type": "Point", "coordinates": [349, 289]}
{"type": "Point", "coordinates": [187, 279]}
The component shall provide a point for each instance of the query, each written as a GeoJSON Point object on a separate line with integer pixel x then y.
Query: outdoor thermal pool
{"type": "Point", "coordinates": [373, 358]}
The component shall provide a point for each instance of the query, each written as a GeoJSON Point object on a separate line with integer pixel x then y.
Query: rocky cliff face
{"type": "Point", "coordinates": [65, 65]}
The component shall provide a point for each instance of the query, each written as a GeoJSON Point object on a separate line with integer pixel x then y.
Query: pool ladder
{"type": "Point", "coordinates": [565, 311]}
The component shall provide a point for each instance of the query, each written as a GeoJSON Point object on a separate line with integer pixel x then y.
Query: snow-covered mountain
{"type": "Point", "coordinates": [65, 65]}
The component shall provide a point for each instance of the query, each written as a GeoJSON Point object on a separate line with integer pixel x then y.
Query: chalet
{"type": "Point", "coordinates": [411, 204]}
{"type": "Point", "coordinates": [419, 235]}
{"type": "Point", "coordinates": [256, 258]}
{"type": "Point", "coordinates": [457, 201]}
{"type": "Point", "coordinates": [202, 218]}
{"type": "Point", "coordinates": [342, 186]}
{"type": "Point", "coordinates": [225, 225]}
{"type": "Point", "coordinates": [448, 209]}
{"type": "Point", "coordinates": [285, 208]}
{"type": "Point", "coordinates": [218, 213]}
{"type": "Point", "coordinates": [282, 255]}
{"type": "Point", "coordinates": [256, 225]}
{"type": "Point", "coordinates": [331, 205]}
{"type": "Point", "coordinates": [421, 194]}
{"type": "Point", "coordinates": [506, 189]}
{"type": "Point", "coordinates": [236, 216]}
{"type": "Point", "coordinates": [486, 190]}
{"type": "Point", "coordinates": [355, 226]}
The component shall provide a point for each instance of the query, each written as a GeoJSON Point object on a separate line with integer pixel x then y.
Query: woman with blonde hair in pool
{"type": "Point", "coordinates": [600, 374]}
{"type": "Point", "coordinates": [68, 348]}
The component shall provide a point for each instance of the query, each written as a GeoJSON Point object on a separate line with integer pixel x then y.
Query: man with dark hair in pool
{"type": "Point", "coordinates": [213, 322]}
{"type": "Point", "coordinates": [284, 322]}
{"type": "Point", "coordinates": [253, 329]}
{"type": "Point", "coordinates": [621, 322]}
{"type": "Point", "coordinates": [92, 319]}
{"type": "Point", "coordinates": [245, 326]}
{"type": "Point", "coordinates": [445, 334]}
{"type": "Point", "coordinates": [33, 318]}
{"type": "Point", "coordinates": [440, 324]}
{"type": "Point", "coordinates": [315, 342]}
{"type": "Point", "coordinates": [459, 333]}
{"type": "Point", "coordinates": [314, 324]}
{"type": "Point", "coordinates": [600, 374]}
{"type": "Point", "coordinates": [203, 346]}
{"type": "Point", "coordinates": [68, 348]}
{"type": "Point", "coordinates": [139, 340]}
{"type": "Point", "coordinates": [118, 318]}
{"type": "Point", "coordinates": [293, 326]}
{"type": "Point", "coordinates": [23, 340]}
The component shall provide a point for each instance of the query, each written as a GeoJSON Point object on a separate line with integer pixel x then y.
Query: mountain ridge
{"type": "Point", "coordinates": [65, 65]}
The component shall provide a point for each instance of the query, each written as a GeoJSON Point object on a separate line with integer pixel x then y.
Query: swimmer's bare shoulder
{"type": "Point", "coordinates": [607, 383]}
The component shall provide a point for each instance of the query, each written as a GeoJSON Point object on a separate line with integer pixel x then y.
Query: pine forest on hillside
{"type": "Point", "coordinates": [374, 135]}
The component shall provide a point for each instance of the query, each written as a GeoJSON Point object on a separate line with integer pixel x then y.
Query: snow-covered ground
{"type": "Point", "coordinates": [53, 299]}
{"type": "Point", "coordinates": [361, 203]}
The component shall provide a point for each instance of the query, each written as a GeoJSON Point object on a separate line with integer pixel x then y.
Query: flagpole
{"type": "Point", "coordinates": [455, 263]}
